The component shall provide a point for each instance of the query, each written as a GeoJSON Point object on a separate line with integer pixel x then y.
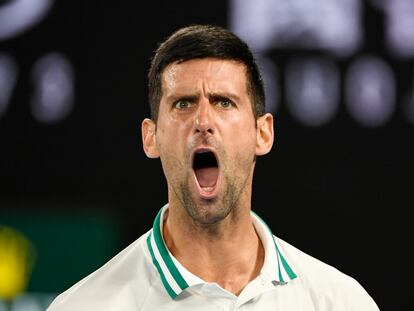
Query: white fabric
{"type": "Point", "coordinates": [131, 282]}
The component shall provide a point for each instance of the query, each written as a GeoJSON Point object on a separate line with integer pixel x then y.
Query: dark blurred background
{"type": "Point", "coordinates": [76, 187]}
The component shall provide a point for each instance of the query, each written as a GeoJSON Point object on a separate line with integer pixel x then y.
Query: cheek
{"type": "Point", "coordinates": [242, 132]}
{"type": "Point", "coordinates": [171, 141]}
{"type": "Point", "coordinates": [167, 129]}
{"type": "Point", "coordinates": [240, 148]}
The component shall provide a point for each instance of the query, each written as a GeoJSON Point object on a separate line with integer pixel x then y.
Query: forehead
{"type": "Point", "coordinates": [214, 74]}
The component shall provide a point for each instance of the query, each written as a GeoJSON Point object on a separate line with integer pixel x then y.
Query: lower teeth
{"type": "Point", "coordinates": [208, 189]}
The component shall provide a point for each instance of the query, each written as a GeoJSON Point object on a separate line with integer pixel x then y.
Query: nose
{"type": "Point", "coordinates": [204, 119]}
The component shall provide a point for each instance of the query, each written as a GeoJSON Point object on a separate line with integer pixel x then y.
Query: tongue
{"type": "Point", "coordinates": [207, 176]}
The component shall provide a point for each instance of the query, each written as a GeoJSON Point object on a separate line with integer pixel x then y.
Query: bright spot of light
{"type": "Point", "coordinates": [16, 16]}
{"type": "Point", "coordinates": [370, 91]}
{"type": "Point", "coordinates": [324, 24]}
{"type": "Point", "coordinates": [8, 77]}
{"type": "Point", "coordinates": [53, 97]}
{"type": "Point", "coordinates": [312, 88]}
{"type": "Point", "coordinates": [399, 26]}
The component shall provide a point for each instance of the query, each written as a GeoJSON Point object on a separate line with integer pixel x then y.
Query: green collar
{"type": "Point", "coordinates": [170, 270]}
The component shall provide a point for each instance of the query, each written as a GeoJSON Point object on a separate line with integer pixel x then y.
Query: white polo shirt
{"type": "Point", "coordinates": [146, 276]}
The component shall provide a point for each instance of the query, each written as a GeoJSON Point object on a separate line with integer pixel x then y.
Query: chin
{"type": "Point", "coordinates": [205, 211]}
{"type": "Point", "coordinates": [209, 212]}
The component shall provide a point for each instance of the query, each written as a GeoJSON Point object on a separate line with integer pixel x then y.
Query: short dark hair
{"type": "Point", "coordinates": [202, 41]}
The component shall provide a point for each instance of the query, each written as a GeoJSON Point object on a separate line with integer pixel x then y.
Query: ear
{"type": "Point", "coordinates": [264, 131]}
{"type": "Point", "coordinates": [149, 141]}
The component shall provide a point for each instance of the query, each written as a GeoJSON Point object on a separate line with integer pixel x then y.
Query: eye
{"type": "Point", "coordinates": [224, 103]}
{"type": "Point", "coordinates": [182, 104]}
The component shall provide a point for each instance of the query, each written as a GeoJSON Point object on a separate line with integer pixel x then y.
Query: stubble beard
{"type": "Point", "coordinates": [209, 212]}
{"type": "Point", "coordinates": [212, 211]}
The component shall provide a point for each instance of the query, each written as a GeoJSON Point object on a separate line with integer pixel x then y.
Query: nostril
{"type": "Point", "coordinates": [205, 130]}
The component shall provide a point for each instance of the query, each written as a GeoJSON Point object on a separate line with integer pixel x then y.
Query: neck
{"type": "Point", "coordinates": [229, 253]}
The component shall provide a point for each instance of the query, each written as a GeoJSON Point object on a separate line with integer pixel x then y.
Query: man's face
{"type": "Point", "coordinates": [206, 136]}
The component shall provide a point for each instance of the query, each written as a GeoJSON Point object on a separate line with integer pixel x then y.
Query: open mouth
{"type": "Point", "coordinates": [206, 170]}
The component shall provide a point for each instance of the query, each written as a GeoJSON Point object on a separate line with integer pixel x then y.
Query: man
{"type": "Point", "coordinates": [207, 250]}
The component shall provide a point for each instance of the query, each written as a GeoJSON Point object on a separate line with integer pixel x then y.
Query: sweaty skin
{"type": "Point", "coordinates": [205, 105]}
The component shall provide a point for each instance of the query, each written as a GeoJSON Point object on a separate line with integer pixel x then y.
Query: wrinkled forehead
{"type": "Point", "coordinates": [216, 75]}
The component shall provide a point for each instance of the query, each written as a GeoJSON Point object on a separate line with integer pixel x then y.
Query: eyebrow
{"type": "Point", "coordinates": [224, 95]}
{"type": "Point", "coordinates": [211, 96]}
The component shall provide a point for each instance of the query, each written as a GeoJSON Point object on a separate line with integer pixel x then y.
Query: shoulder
{"type": "Point", "coordinates": [111, 284]}
{"type": "Point", "coordinates": [325, 282]}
